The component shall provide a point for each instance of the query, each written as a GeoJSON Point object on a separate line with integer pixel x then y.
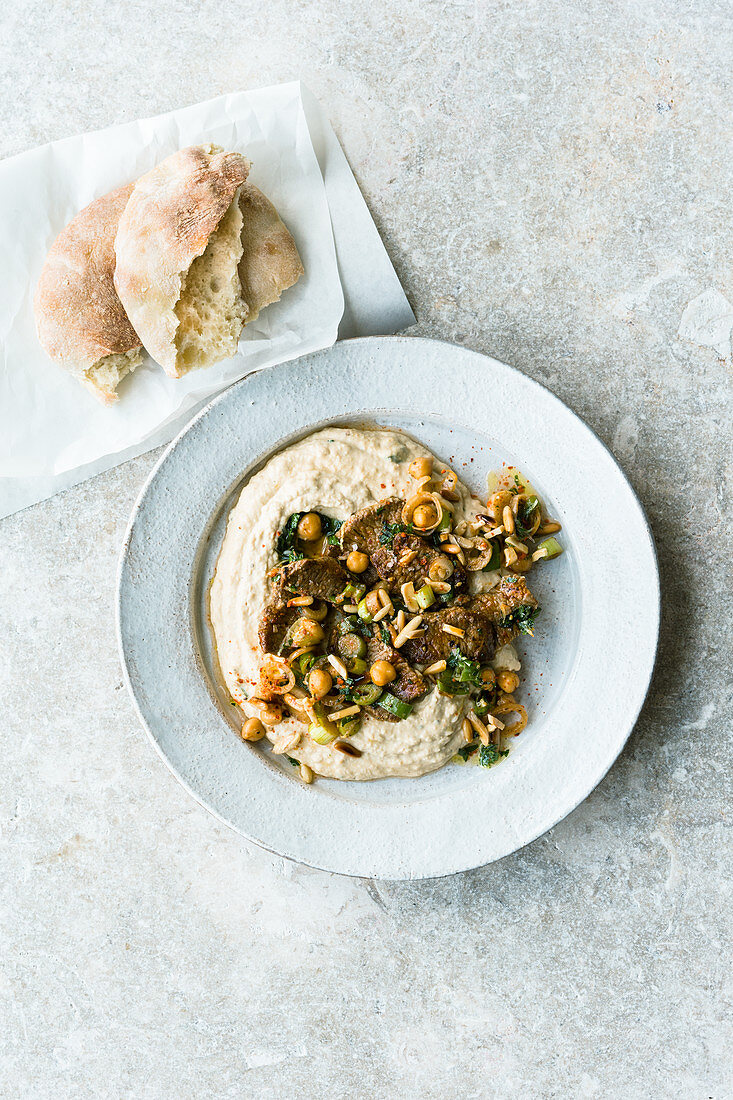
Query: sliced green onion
{"type": "Point", "coordinates": [347, 727]}
{"type": "Point", "coordinates": [357, 665]}
{"type": "Point", "coordinates": [446, 520]}
{"type": "Point", "coordinates": [495, 559]}
{"type": "Point", "coordinates": [395, 706]}
{"type": "Point", "coordinates": [320, 735]}
{"type": "Point", "coordinates": [363, 612]}
{"type": "Point", "coordinates": [448, 686]}
{"type": "Point", "coordinates": [425, 596]}
{"type": "Point", "coordinates": [365, 694]}
{"type": "Point", "coordinates": [481, 706]}
{"type": "Point", "coordinates": [351, 645]}
{"type": "Point", "coordinates": [349, 625]}
{"type": "Point", "coordinates": [353, 591]}
{"type": "Point", "coordinates": [552, 546]}
{"type": "Point", "coordinates": [323, 730]}
{"type": "Point", "coordinates": [305, 663]}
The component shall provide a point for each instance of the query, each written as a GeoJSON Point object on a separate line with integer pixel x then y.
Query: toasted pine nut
{"type": "Point", "coordinates": [439, 666]}
{"type": "Point", "coordinates": [508, 519]}
{"type": "Point", "coordinates": [457, 631]}
{"type": "Point", "coordinates": [539, 554]}
{"type": "Point", "coordinates": [408, 595]}
{"type": "Point", "coordinates": [549, 528]}
{"type": "Point", "coordinates": [339, 665]}
{"type": "Point", "coordinates": [347, 712]}
{"type": "Point", "coordinates": [408, 632]}
{"type": "Point", "coordinates": [511, 541]}
{"type": "Point", "coordinates": [306, 773]}
{"type": "Point", "coordinates": [480, 728]}
{"type": "Point", "coordinates": [467, 729]}
{"type": "Point", "coordinates": [300, 601]}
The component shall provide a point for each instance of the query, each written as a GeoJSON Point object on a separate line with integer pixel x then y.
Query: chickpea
{"type": "Point", "coordinates": [382, 672]}
{"type": "Point", "coordinates": [421, 467]}
{"type": "Point", "coordinates": [423, 516]}
{"type": "Point", "coordinates": [497, 503]}
{"type": "Point", "coordinates": [253, 730]}
{"type": "Point", "coordinates": [320, 683]}
{"type": "Point", "coordinates": [309, 528]}
{"type": "Point", "coordinates": [270, 713]}
{"type": "Point", "coordinates": [306, 632]}
{"type": "Point", "coordinates": [357, 562]}
{"type": "Point", "coordinates": [488, 677]}
{"type": "Point", "coordinates": [507, 681]}
{"type": "Point", "coordinates": [440, 569]}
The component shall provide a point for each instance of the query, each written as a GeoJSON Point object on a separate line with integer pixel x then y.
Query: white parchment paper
{"type": "Point", "coordinates": [52, 432]}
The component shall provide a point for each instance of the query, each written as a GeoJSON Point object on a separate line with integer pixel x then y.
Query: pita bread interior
{"type": "Point", "coordinates": [178, 248]}
{"type": "Point", "coordinates": [80, 320]}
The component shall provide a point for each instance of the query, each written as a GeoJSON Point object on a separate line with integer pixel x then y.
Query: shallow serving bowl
{"type": "Point", "coordinates": [585, 673]}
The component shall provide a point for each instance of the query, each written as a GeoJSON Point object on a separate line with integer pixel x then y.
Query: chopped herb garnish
{"type": "Point", "coordinates": [330, 528]}
{"type": "Point", "coordinates": [389, 530]}
{"type": "Point", "coordinates": [522, 617]}
{"type": "Point", "coordinates": [527, 514]}
{"type": "Point", "coordinates": [400, 455]}
{"type": "Point", "coordinates": [295, 763]}
{"type": "Point", "coordinates": [464, 670]}
{"type": "Point", "coordinates": [490, 754]}
{"type": "Point", "coordinates": [286, 545]}
{"type": "Point", "coordinates": [467, 750]}
{"type": "Point", "coordinates": [460, 675]}
{"type": "Point", "coordinates": [385, 634]}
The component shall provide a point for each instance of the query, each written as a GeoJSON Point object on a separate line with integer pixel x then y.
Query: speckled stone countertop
{"type": "Point", "coordinates": [553, 183]}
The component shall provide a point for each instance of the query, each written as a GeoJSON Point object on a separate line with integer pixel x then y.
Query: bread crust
{"type": "Point", "coordinates": [270, 262]}
{"type": "Point", "coordinates": [166, 225]}
{"type": "Point", "coordinates": [79, 317]}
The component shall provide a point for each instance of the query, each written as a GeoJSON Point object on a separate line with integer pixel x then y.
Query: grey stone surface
{"type": "Point", "coordinates": [553, 182]}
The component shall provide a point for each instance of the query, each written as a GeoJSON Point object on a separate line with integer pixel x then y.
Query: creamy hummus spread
{"type": "Point", "coordinates": [336, 471]}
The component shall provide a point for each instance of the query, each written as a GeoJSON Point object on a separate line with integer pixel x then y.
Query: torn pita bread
{"type": "Point", "coordinates": [178, 248]}
{"type": "Point", "coordinates": [270, 262]}
{"type": "Point", "coordinates": [80, 320]}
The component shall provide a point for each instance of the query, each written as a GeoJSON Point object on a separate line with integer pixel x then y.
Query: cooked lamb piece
{"type": "Point", "coordinates": [368, 531]}
{"type": "Point", "coordinates": [511, 593]}
{"type": "Point", "coordinates": [362, 530]}
{"type": "Point", "coordinates": [478, 642]}
{"type": "Point", "coordinates": [323, 578]}
{"type": "Point", "coordinates": [388, 561]}
{"type": "Point", "coordinates": [275, 621]}
{"type": "Point", "coordinates": [409, 684]}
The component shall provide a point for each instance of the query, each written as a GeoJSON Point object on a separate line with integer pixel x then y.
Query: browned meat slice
{"type": "Point", "coordinates": [275, 621]}
{"type": "Point", "coordinates": [409, 684]}
{"type": "Point", "coordinates": [394, 569]}
{"type": "Point", "coordinates": [368, 531]}
{"type": "Point", "coordinates": [511, 593]}
{"type": "Point", "coordinates": [362, 530]}
{"type": "Point", "coordinates": [322, 578]}
{"type": "Point", "coordinates": [478, 641]}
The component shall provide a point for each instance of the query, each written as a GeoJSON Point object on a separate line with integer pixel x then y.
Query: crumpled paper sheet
{"type": "Point", "coordinates": [54, 434]}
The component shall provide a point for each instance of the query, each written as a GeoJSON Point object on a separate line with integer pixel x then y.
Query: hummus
{"type": "Point", "coordinates": [336, 472]}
